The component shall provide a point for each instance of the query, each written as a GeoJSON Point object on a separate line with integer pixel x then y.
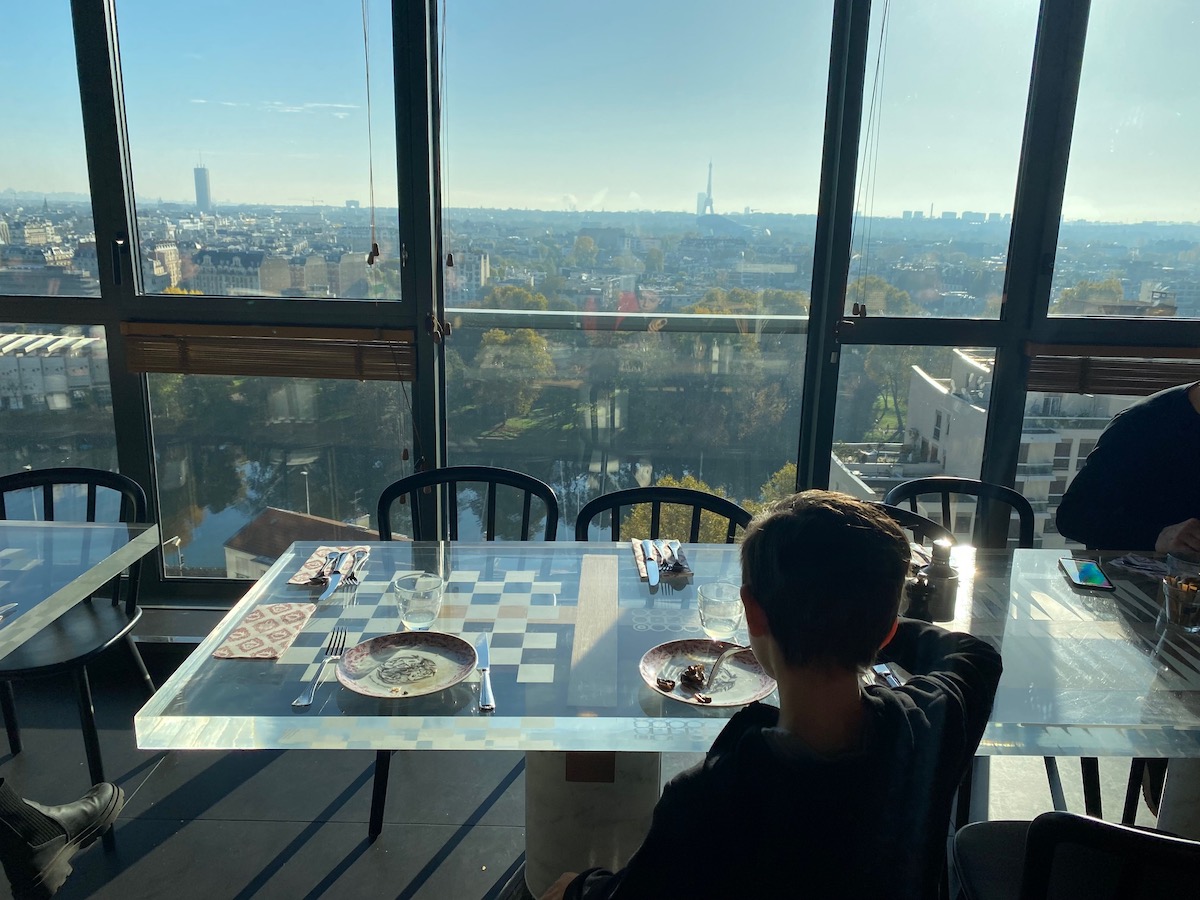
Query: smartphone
{"type": "Point", "coordinates": [1085, 574]}
{"type": "Point", "coordinates": [884, 675]}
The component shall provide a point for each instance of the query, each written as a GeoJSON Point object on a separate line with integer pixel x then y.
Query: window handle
{"type": "Point", "coordinates": [118, 248]}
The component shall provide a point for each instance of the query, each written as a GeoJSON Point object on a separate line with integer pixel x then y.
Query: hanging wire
{"type": "Point", "coordinates": [366, 21]}
{"type": "Point", "coordinates": [443, 136]}
{"type": "Point", "coordinates": [864, 204]}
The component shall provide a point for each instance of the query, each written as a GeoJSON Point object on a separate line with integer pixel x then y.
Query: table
{"type": "Point", "coordinates": [46, 568]}
{"type": "Point", "coordinates": [1086, 673]}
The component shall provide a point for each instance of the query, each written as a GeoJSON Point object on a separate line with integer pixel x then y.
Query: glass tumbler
{"type": "Point", "coordinates": [418, 597]}
{"type": "Point", "coordinates": [1181, 591]}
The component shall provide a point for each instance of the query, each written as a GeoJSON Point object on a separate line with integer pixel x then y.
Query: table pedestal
{"type": "Point", "coordinates": [584, 810]}
{"type": "Point", "coordinates": [1179, 811]}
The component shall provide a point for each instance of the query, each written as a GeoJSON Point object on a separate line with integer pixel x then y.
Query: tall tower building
{"type": "Point", "coordinates": [203, 190]}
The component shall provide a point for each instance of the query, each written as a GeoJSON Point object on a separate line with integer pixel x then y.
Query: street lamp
{"type": "Point", "coordinates": [307, 502]}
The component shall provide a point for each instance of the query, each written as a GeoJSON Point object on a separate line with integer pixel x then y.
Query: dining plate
{"type": "Point", "coordinates": [741, 679]}
{"type": "Point", "coordinates": [407, 664]}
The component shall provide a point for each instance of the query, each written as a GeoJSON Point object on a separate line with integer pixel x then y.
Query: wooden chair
{"type": "Point", "coordinates": [77, 637]}
{"type": "Point", "coordinates": [417, 491]}
{"type": "Point", "coordinates": [924, 530]}
{"type": "Point", "coordinates": [1065, 856]}
{"type": "Point", "coordinates": [699, 502]}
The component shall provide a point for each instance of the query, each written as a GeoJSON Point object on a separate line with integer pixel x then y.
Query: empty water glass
{"type": "Point", "coordinates": [418, 597]}
{"type": "Point", "coordinates": [720, 606]}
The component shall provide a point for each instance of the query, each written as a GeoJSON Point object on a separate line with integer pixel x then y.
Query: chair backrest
{"type": "Point", "coordinates": [993, 509]}
{"type": "Point", "coordinates": [698, 501]}
{"type": "Point", "coordinates": [924, 530]}
{"type": "Point", "coordinates": [417, 491]}
{"type": "Point", "coordinates": [99, 495]}
{"type": "Point", "coordinates": [1072, 857]}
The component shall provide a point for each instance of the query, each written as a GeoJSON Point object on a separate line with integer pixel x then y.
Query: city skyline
{"type": "Point", "coordinates": [613, 118]}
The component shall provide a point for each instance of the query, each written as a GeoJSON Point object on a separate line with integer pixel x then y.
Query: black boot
{"type": "Point", "coordinates": [37, 842]}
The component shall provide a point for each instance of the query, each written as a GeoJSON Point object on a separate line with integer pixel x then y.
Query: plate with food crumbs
{"type": "Point", "coordinates": [679, 669]}
{"type": "Point", "coordinates": [407, 664]}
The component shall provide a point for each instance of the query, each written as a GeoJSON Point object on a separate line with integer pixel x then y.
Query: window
{"type": "Point", "coordinates": [631, 282]}
{"type": "Point", "coordinates": [252, 170]}
{"type": "Point", "coordinates": [1129, 238]}
{"type": "Point", "coordinates": [55, 398]}
{"type": "Point", "coordinates": [938, 156]}
{"type": "Point", "coordinates": [47, 245]}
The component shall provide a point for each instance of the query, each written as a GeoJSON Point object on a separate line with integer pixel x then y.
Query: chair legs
{"type": "Point", "coordinates": [1057, 798]}
{"type": "Point", "coordinates": [1089, 767]}
{"type": "Point", "coordinates": [383, 762]}
{"type": "Point", "coordinates": [87, 718]}
{"type": "Point", "coordinates": [140, 663]}
{"type": "Point", "coordinates": [8, 705]}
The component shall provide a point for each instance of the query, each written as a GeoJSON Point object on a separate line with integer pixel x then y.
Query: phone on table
{"type": "Point", "coordinates": [1084, 573]}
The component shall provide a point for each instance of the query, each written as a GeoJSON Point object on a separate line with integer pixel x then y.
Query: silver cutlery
{"type": "Point", "coordinates": [666, 564]}
{"type": "Point", "coordinates": [7, 606]}
{"type": "Point", "coordinates": [720, 661]}
{"type": "Point", "coordinates": [333, 652]}
{"type": "Point", "coordinates": [651, 563]}
{"type": "Point", "coordinates": [487, 702]}
{"type": "Point", "coordinates": [335, 578]}
{"type": "Point", "coordinates": [352, 579]}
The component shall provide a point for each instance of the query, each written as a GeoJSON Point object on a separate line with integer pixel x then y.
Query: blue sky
{"type": "Point", "coordinates": [619, 105]}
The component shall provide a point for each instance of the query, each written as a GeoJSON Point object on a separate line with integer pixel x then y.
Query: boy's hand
{"type": "Point", "coordinates": [556, 890]}
{"type": "Point", "coordinates": [1181, 536]}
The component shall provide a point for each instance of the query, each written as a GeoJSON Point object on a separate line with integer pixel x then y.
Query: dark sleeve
{"type": "Point", "coordinates": [1106, 506]}
{"type": "Point", "coordinates": [655, 870]}
{"type": "Point", "coordinates": [947, 666]}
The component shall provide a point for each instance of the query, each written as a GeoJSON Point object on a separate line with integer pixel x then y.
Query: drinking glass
{"type": "Point", "coordinates": [1181, 591]}
{"type": "Point", "coordinates": [720, 607]}
{"type": "Point", "coordinates": [418, 597]}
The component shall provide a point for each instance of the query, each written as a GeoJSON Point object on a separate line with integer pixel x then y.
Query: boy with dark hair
{"type": "Point", "coordinates": [846, 789]}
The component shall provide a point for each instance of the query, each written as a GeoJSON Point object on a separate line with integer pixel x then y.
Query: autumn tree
{"type": "Point", "coordinates": [1088, 297]}
{"type": "Point", "coordinates": [585, 252]}
{"type": "Point", "coordinates": [509, 368]}
{"type": "Point", "coordinates": [880, 297]}
{"type": "Point", "coordinates": [512, 296]}
{"type": "Point", "coordinates": [676, 521]}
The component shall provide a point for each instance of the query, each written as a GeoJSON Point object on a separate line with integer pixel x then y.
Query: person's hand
{"type": "Point", "coordinates": [1184, 536]}
{"type": "Point", "coordinates": [556, 890]}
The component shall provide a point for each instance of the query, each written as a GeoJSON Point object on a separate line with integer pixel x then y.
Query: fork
{"type": "Point", "coordinates": [333, 652]}
{"type": "Point", "coordinates": [352, 579]}
{"type": "Point", "coordinates": [666, 563]}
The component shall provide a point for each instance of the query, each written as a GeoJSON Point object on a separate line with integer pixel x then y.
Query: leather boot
{"type": "Point", "coordinates": [37, 842]}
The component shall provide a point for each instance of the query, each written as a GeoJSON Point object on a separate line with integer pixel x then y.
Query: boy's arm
{"type": "Point", "coordinates": [956, 663]}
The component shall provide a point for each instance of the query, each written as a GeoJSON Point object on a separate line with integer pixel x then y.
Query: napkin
{"type": "Point", "coordinates": [313, 571]}
{"type": "Point", "coordinates": [266, 631]}
{"type": "Point", "coordinates": [1144, 565]}
{"type": "Point", "coordinates": [639, 559]}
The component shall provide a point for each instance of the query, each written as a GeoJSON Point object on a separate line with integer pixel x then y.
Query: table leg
{"type": "Point", "coordinates": [584, 810]}
{"type": "Point", "coordinates": [383, 762]}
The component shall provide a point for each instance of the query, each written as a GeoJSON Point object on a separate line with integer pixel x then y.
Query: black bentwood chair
{"type": "Point", "coordinates": [657, 497]}
{"type": "Point", "coordinates": [417, 491]}
{"type": "Point", "coordinates": [77, 637]}
{"type": "Point", "coordinates": [924, 531]}
{"type": "Point", "coordinates": [1065, 856]}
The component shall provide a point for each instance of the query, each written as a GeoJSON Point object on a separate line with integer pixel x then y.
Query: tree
{"type": "Point", "coordinates": [511, 296]}
{"type": "Point", "coordinates": [780, 485]}
{"type": "Point", "coordinates": [1088, 297]}
{"type": "Point", "coordinates": [676, 521]}
{"type": "Point", "coordinates": [654, 261]}
{"type": "Point", "coordinates": [509, 366]}
{"type": "Point", "coordinates": [880, 297]}
{"type": "Point", "coordinates": [585, 252]}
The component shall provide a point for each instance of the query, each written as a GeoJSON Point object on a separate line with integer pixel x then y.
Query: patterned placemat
{"type": "Point", "coordinates": [267, 631]}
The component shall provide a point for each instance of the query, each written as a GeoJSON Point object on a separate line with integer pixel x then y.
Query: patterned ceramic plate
{"type": "Point", "coordinates": [741, 679]}
{"type": "Point", "coordinates": [408, 664]}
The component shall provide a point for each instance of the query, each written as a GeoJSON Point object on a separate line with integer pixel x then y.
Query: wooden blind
{"type": "Point", "coordinates": [1137, 371]}
{"type": "Point", "coordinates": [363, 354]}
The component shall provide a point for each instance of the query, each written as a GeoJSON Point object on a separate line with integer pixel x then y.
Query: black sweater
{"type": "Point", "coordinates": [1143, 476]}
{"type": "Point", "coordinates": [763, 816]}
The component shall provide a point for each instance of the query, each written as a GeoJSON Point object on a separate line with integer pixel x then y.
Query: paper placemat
{"type": "Point", "coordinates": [266, 632]}
{"type": "Point", "coordinates": [310, 572]}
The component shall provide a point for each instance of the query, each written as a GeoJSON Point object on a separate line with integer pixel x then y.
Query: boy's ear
{"type": "Point", "coordinates": [756, 618]}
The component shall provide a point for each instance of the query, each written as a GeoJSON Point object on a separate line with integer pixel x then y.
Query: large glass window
{"type": "Point", "coordinates": [55, 398]}
{"type": "Point", "coordinates": [1129, 244]}
{"type": "Point", "coordinates": [248, 465]}
{"type": "Point", "coordinates": [632, 238]}
{"type": "Point", "coordinates": [47, 239]}
{"type": "Point", "coordinates": [252, 163]}
{"type": "Point", "coordinates": [943, 111]}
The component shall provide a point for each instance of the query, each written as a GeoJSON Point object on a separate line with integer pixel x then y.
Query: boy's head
{"type": "Point", "coordinates": [828, 572]}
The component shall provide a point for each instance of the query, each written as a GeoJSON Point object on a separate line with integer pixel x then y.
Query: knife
{"type": "Point", "coordinates": [651, 563]}
{"type": "Point", "coordinates": [335, 578]}
{"type": "Point", "coordinates": [487, 703]}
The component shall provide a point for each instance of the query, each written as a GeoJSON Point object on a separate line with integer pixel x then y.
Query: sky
{"type": "Point", "coordinates": [613, 106]}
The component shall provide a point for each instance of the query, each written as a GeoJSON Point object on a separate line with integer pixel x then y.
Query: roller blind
{"type": "Point", "coordinates": [363, 354]}
{"type": "Point", "coordinates": [1138, 371]}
